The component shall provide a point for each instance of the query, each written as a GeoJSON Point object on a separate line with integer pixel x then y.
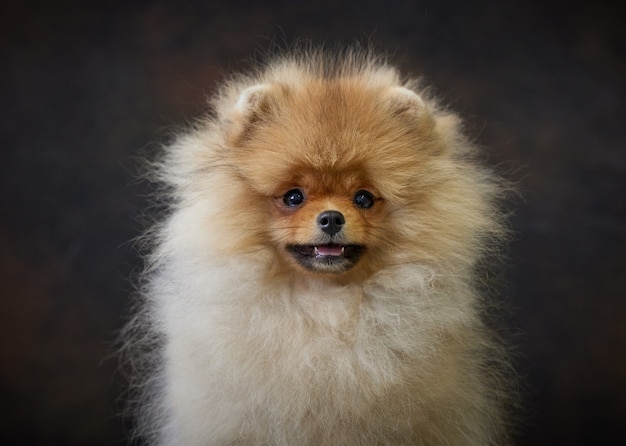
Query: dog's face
{"type": "Point", "coordinates": [327, 228]}
{"type": "Point", "coordinates": [330, 164]}
{"type": "Point", "coordinates": [330, 247]}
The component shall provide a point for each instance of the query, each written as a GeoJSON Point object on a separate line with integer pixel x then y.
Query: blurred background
{"type": "Point", "coordinates": [86, 87]}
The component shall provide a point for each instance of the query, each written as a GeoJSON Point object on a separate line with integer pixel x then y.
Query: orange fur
{"type": "Point", "coordinates": [253, 345]}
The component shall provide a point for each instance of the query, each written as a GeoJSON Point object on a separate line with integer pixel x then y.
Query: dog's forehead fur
{"type": "Point", "coordinates": [338, 127]}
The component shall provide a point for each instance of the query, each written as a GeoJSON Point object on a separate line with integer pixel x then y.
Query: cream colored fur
{"type": "Point", "coordinates": [245, 347]}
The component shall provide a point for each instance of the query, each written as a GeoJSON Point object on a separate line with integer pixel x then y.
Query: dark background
{"type": "Point", "coordinates": [87, 86]}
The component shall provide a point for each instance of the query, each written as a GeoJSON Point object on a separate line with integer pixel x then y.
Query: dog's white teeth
{"type": "Point", "coordinates": [315, 251]}
{"type": "Point", "coordinates": [342, 250]}
{"type": "Point", "coordinates": [329, 250]}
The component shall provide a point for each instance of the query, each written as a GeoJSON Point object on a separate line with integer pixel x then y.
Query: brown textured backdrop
{"type": "Point", "coordinates": [86, 86]}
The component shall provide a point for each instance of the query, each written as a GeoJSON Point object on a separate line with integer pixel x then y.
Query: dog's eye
{"type": "Point", "coordinates": [293, 198]}
{"type": "Point", "coordinates": [364, 199]}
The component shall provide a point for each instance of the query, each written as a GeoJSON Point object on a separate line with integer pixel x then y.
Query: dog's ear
{"type": "Point", "coordinates": [438, 131]}
{"type": "Point", "coordinates": [254, 106]}
{"type": "Point", "coordinates": [407, 105]}
{"type": "Point", "coordinates": [405, 102]}
{"type": "Point", "coordinates": [253, 99]}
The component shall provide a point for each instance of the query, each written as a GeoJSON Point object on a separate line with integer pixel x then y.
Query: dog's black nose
{"type": "Point", "coordinates": [331, 222]}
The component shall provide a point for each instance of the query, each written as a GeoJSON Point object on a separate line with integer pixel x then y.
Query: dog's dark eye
{"type": "Point", "coordinates": [293, 198]}
{"type": "Point", "coordinates": [364, 199]}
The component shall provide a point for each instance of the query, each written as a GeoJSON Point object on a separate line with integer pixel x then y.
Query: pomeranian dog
{"type": "Point", "coordinates": [315, 281]}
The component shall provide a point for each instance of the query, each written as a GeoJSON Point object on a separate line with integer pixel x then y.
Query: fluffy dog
{"type": "Point", "coordinates": [315, 282]}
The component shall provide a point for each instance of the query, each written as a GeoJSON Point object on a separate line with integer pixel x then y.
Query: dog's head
{"type": "Point", "coordinates": [333, 160]}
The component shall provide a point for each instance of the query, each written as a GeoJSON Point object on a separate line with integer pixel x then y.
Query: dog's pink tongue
{"type": "Point", "coordinates": [329, 250]}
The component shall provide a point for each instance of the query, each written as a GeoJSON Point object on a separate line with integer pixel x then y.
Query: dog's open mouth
{"type": "Point", "coordinates": [331, 257]}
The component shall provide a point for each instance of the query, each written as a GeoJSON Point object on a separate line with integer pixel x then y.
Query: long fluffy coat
{"type": "Point", "coordinates": [240, 346]}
